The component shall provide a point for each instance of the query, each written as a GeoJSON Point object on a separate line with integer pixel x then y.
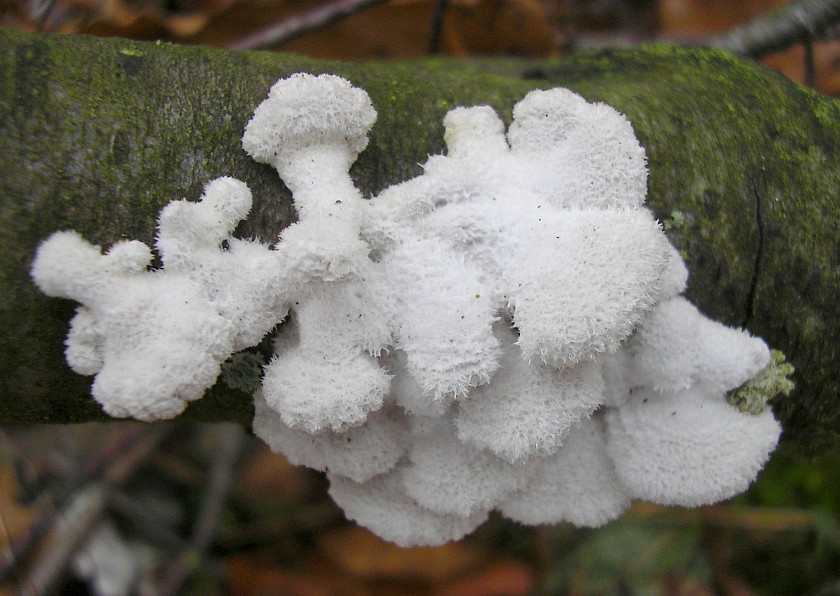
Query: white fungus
{"type": "Point", "coordinates": [381, 505]}
{"type": "Point", "coordinates": [687, 448]}
{"type": "Point", "coordinates": [526, 411]}
{"type": "Point", "coordinates": [156, 339]}
{"type": "Point", "coordinates": [676, 347]}
{"type": "Point", "coordinates": [448, 476]}
{"type": "Point", "coordinates": [360, 453]}
{"type": "Point", "coordinates": [578, 484]}
{"type": "Point", "coordinates": [455, 344]}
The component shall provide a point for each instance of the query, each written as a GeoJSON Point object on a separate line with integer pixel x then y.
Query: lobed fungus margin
{"type": "Point", "coordinates": [505, 331]}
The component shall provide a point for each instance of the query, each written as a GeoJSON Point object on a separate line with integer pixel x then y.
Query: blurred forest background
{"type": "Point", "coordinates": [124, 508]}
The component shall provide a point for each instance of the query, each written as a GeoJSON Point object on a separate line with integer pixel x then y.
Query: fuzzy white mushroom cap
{"type": "Point", "coordinates": [676, 347]}
{"type": "Point", "coordinates": [381, 505]}
{"type": "Point", "coordinates": [689, 447]}
{"type": "Point", "coordinates": [181, 321]}
{"type": "Point", "coordinates": [359, 453]}
{"type": "Point", "coordinates": [133, 322]}
{"type": "Point", "coordinates": [596, 276]}
{"type": "Point", "coordinates": [527, 410]}
{"type": "Point", "coordinates": [594, 156]}
{"type": "Point", "coordinates": [304, 110]}
{"type": "Point", "coordinates": [314, 388]}
{"type": "Point", "coordinates": [578, 484]}
{"type": "Point", "coordinates": [448, 476]}
{"type": "Point", "coordinates": [444, 323]}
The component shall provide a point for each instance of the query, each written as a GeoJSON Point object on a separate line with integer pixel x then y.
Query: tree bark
{"type": "Point", "coordinates": [97, 135]}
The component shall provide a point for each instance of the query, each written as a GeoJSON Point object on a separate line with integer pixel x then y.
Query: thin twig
{"type": "Point", "coordinates": [295, 26]}
{"type": "Point", "coordinates": [42, 14]}
{"type": "Point", "coordinates": [774, 32]}
{"type": "Point", "coordinates": [810, 65]}
{"type": "Point", "coordinates": [437, 26]}
{"type": "Point", "coordinates": [112, 463]}
{"type": "Point", "coordinates": [231, 440]}
{"type": "Point", "coordinates": [77, 510]}
{"type": "Point", "coordinates": [71, 530]}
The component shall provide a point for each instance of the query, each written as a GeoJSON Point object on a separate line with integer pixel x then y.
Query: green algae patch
{"type": "Point", "coordinates": [772, 382]}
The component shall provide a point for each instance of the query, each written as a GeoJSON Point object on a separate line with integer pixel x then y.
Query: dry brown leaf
{"type": "Point", "coordinates": [252, 577]}
{"type": "Point", "coordinates": [14, 518]}
{"type": "Point", "coordinates": [364, 555]}
{"type": "Point", "coordinates": [268, 476]}
{"type": "Point", "coordinates": [503, 578]}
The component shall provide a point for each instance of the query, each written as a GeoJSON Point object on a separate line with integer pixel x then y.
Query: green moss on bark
{"type": "Point", "coordinates": [96, 135]}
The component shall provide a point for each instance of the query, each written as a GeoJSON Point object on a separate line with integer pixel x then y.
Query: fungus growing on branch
{"type": "Point", "coordinates": [504, 332]}
{"type": "Point", "coordinates": [156, 339]}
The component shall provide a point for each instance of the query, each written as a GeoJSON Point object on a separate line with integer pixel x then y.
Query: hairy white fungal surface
{"type": "Point", "coordinates": [381, 505]}
{"type": "Point", "coordinates": [504, 332]}
{"type": "Point", "coordinates": [578, 484]}
{"type": "Point", "coordinates": [689, 447]}
{"type": "Point", "coordinates": [448, 476]}
{"type": "Point", "coordinates": [360, 453]}
{"type": "Point", "coordinates": [676, 347]}
{"type": "Point", "coordinates": [156, 339]}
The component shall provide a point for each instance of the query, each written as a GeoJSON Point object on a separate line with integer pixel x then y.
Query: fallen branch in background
{"type": "Point", "coordinates": [799, 22]}
{"type": "Point", "coordinates": [70, 515]}
{"type": "Point", "coordinates": [296, 26]}
{"type": "Point", "coordinates": [231, 442]}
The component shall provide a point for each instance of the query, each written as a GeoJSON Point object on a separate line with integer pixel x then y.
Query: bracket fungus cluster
{"type": "Point", "coordinates": [504, 332]}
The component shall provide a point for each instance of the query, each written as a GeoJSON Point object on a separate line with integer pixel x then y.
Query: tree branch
{"type": "Point", "coordinates": [97, 135]}
{"type": "Point", "coordinates": [299, 25]}
{"type": "Point", "coordinates": [799, 22]}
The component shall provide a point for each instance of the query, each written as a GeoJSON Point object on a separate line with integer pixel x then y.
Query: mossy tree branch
{"type": "Point", "coordinates": [97, 135]}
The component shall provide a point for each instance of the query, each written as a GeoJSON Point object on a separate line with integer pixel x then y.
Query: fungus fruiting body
{"type": "Point", "coordinates": [504, 332]}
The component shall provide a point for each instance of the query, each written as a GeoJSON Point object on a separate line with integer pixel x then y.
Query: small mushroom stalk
{"type": "Point", "coordinates": [311, 129]}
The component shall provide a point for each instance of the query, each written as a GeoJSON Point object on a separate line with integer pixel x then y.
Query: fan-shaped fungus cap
{"type": "Point", "coordinates": [381, 505]}
{"type": "Point", "coordinates": [578, 484]}
{"type": "Point", "coordinates": [360, 453]}
{"type": "Point", "coordinates": [448, 476]}
{"type": "Point", "coordinates": [687, 448]}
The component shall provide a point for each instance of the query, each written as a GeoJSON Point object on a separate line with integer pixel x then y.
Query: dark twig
{"type": "Point", "coordinates": [810, 66]}
{"type": "Point", "coordinates": [298, 25]}
{"type": "Point", "coordinates": [231, 440]}
{"type": "Point", "coordinates": [71, 529]}
{"type": "Point", "coordinates": [77, 510]}
{"type": "Point", "coordinates": [801, 21]}
{"type": "Point", "coordinates": [437, 26]}
{"type": "Point", "coordinates": [49, 508]}
{"type": "Point", "coordinates": [42, 14]}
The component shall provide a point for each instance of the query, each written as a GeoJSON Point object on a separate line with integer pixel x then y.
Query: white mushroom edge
{"type": "Point", "coordinates": [505, 331]}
